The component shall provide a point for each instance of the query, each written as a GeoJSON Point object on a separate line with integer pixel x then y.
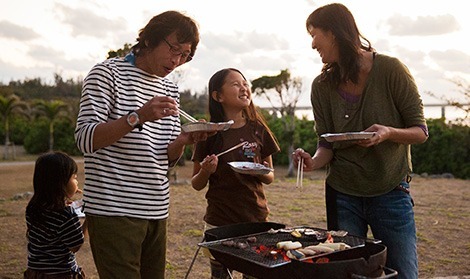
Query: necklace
{"type": "Point", "coordinates": [351, 99]}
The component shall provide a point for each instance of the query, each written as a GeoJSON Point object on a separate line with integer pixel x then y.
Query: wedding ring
{"type": "Point", "coordinates": [164, 111]}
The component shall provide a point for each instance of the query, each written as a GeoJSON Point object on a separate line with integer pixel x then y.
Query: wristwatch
{"type": "Point", "coordinates": [133, 120]}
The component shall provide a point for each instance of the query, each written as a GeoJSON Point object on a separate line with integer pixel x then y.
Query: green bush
{"type": "Point", "coordinates": [445, 151]}
{"type": "Point", "coordinates": [37, 139]}
{"type": "Point", "coordinates": [64, 139]}
{"type": "Point", "coordinates": [303, 137]}
{"type": "Point", "coordinates": [19, 128]}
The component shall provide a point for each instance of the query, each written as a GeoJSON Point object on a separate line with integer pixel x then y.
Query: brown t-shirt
{"type": "Point", "coordinates": [233, 197]}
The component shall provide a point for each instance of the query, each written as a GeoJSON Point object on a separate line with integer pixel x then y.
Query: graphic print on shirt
{"type": "Point", "coordinates": [249, 150]}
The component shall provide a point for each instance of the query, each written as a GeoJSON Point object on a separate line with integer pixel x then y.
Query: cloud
{"type": "Point", "coordinates": [452, 60]}
{"type": "Point", "coordinates": [10, 72]}
{"type": "Point", "coordinates": [44, 54]}
{"type": "Point", "coordinates": [251, 52]}
{"type": "Point", "coordinates": [58, 59]}
{"type": "Point", "coordinates": [239, 43]}
{"type": "Point", "coordinates": [422, 25]}
{"type": "Point", "coordinates": [84, 22]}
{"type": "Point", "coordinates": [17, 32]}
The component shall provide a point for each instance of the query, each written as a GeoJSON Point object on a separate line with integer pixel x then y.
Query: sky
{"type": "Point", "coordinates": [40, 38]}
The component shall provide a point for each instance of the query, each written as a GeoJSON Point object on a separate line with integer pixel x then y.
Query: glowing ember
{"type": "Point", "coordinates": [271, 252]}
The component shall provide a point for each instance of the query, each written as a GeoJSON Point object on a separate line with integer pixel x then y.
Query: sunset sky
{"type": "Point", "coordinates": [261, 37]}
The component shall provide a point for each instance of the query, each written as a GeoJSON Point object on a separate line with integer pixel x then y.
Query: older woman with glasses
{"type": "Point", "coordinates": [129, 131]}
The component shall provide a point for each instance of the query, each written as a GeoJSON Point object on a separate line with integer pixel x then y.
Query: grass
{"type": "Point", "coordinates": [441, 208]}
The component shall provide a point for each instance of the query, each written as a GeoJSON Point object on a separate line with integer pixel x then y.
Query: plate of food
{"type": "Point", "coordinates": [249, 168]}
{"type": "Point", "coordinates": [206, 126]}
{"type": "Point", "coordinates": [77, 206]}
{"type": "Point", "coordinates": [348, 136]}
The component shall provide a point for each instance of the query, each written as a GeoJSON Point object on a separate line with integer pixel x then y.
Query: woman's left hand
{"type": "Point", "coordinates": [381, 134]}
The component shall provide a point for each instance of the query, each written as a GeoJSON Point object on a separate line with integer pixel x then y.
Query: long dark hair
{"type": "Point", "coordinates": [164, 24]}
{"type": "Point", "coordinates": [340, 21]}
{"type": "Point", "coordinates": [217, 113]}
{"type": "Point", "coordinates": [52, 173]}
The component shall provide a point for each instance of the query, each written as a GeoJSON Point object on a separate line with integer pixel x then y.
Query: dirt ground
{"type": "Point", "coordinates": [442, 210]}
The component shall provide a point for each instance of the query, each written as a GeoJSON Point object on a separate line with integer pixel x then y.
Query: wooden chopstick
{"type": "Point", "coordinates": [187, 115]}
{"type": "Point", "coordinates": [232, 148]}
{"type": "Point", "coordinates": [300, 173]}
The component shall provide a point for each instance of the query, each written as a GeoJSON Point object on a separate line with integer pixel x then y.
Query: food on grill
{"type": "Point", "coordinates": [236, 244]}
{"type": "Point", "coordinates": [329, 238]}
{"type": "Point", "coordinates": [251, 239]}
{"type": "Point", "coordinates": [311, 232]}
{"type": "Point", "coordinates": [296, 233]}
{"type": "Point", "coordinates": [338, 233]}
{"type": "Point", "coordinates": [307, 252]}
{"type": "Point", "coordinates": [320, 249]}
{"type": "Point", "coordinates": [242, 245]}
{"type": "Point", "coordinates": [337, 246]}
{"type": "Point", "coordinates": [295, 254]}
{"type": "Point", "coordinates": [288, 245]}
{"type": "Point", "coordinates": [229, 243]}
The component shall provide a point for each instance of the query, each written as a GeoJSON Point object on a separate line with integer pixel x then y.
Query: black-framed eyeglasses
{"type": "Point", "coordinates": [185, 56]}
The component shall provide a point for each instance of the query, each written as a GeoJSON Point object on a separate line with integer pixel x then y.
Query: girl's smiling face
{"type": "Point", "coordinates": [236, 91]}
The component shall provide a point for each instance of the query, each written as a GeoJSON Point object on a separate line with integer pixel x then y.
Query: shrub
{"type": "Point", "coordinates": [37, 139]}
{"type": "Point", "coordinates": [445, 151]}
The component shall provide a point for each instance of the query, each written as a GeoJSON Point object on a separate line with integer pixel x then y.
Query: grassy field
{"type": "Point", "coordinates": [442, 211]}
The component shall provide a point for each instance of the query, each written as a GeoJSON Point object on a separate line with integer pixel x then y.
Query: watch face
{"type": "Point", "coordinates": [133, 119]}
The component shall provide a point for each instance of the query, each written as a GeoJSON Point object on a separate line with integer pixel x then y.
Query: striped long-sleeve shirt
{"type": "Point", "coordinates": [49, 242]}
{"type": "Point", "coordinates": [128, 177]}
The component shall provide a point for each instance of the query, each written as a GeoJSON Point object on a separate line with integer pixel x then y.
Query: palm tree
{"type": "Point", "coordinates": [10, 105]}
{"type": "Point", "coordinates": [283, 92]}
{"type": "Point", "coordinates": [52, 110]}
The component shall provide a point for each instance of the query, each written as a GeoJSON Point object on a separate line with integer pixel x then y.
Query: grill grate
{"type": "Point", "coordinates": [269, 240]}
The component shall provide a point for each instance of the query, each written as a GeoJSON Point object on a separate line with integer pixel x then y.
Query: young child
{"type": "Point", "coordinates": [233, 197]}
{"type": "Point", "coordinates": [53, 228]}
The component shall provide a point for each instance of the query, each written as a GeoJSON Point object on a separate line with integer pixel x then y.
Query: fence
{"type": "Point", "coordinates": [429, 111]}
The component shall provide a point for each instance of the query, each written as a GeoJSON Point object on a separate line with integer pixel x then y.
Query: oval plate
{"type": "Point", "coordinates": [249, 168]}
{"type": "Point", "coordinates": [348, 136]}
{"type": "Point", "coordinates": [206, 126]}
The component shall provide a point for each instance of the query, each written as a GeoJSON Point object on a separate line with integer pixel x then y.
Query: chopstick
{"type": "Point", "coordinates": [300, 173]}
{"type": "Point", "coordinates": [231, 148]}
{"type": "Point", "coordinates": [187, 115]}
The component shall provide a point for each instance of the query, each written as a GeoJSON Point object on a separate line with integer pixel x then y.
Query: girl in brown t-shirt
{"type": "Point", "coordinates": [233, 197]}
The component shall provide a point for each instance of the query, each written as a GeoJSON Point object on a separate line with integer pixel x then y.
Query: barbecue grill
{"type": "Point", "coordinates": [364, 259]}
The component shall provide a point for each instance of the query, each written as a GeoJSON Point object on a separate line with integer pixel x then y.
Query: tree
{"type": "Point", "coordinates": [52, 111]}
{"type": "Point", "coordinates": [120, 52]}
{"type": "Point", "coordinates": [461, 102]}
{"type": "Point", "coordinates": [8, 106]}
{"type": "Point", "coordinates": [283, 93]}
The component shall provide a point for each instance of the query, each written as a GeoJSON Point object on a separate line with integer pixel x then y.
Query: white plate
{"type": "Point", "coordinates": [249, 168]}
{"type": "Point", "coordinates": [77, 206]}
{"type": "Point", "coordinates": [206, 126]}
{"type": "Point", "coordinates": [348, 136]}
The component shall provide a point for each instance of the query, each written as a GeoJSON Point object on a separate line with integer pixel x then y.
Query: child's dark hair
{"type": "Point", "coordinates": [216, 111]}
{"type": "Point", "coordinates": [52, 173]}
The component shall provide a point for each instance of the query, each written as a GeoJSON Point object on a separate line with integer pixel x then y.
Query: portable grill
{"type": "Point", "coordinates": [366, 257]}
